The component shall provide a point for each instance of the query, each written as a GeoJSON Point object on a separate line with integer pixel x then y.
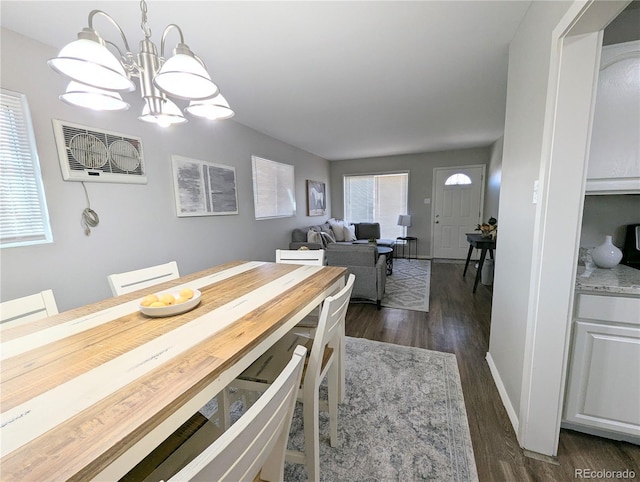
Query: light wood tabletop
{"type": "Point", "coordinates": [86, 394]}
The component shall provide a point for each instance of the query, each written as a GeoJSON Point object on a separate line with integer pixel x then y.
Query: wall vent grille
{"type": "Point", "coordinates": [96, 155]}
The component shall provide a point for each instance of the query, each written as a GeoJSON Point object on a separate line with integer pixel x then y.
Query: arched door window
{"type": "Point", "coordinates": [457, 180]}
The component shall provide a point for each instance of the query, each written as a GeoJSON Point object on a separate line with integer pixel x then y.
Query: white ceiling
{"type": "Point", "coordinates": [342, 80]}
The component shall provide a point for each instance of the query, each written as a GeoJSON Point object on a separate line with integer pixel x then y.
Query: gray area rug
{"type": "Point", "coordinates": [408, 286]}
{"type": "Point", "coordinates": [403, 419]}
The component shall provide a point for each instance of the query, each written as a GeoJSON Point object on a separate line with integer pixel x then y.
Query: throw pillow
{"type": "Point", "coordinates": [350, 233]}
{"type": "Point", "coordinates": [327, 239]}
{"type": "Point", "coordinates": [338, 230]}
{"type": "Point", "coordinates": [314, 237]}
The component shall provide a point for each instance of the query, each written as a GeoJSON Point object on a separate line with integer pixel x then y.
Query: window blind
{"type": "Point", "coordinates": [23, 211]}
{"type": "Point", "coordinates": [377, 198]}
{"type": "Point", "coordinates": [273, 189]}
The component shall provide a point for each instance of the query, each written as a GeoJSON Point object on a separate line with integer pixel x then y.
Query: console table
{"type": "Point", "coordinates": [483, 244]}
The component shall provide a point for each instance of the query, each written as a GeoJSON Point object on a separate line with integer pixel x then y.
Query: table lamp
{"type": "Point", "coordinates": [404, 220]}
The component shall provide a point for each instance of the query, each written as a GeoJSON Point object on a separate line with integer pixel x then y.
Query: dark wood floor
{"type": "Point", "coordinates": [459, 322]}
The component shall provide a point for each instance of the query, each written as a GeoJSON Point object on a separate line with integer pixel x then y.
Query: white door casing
{"type": "Point", "coordinates": [457, 209]}
{"type": "Point", "coordinates": [575, 55]}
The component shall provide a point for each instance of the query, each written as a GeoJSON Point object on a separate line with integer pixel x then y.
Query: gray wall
{"type": "Point", "coordinates": [420, 167]}
{"type": "Point", "coordinates": [608, 215]}
{"type": "Point", "coordinates": [529, 59]}
{"type": "Point", "coordinates": [138, 223]}
{"type": "Point", "coordinates": [494, 178]}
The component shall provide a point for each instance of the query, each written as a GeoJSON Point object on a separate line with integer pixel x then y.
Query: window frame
{"type": "Point", "coordinates": [283, 183]}
{"type": "Point", "coordinates": [29, 170]}
{"type": "Point", "coordinates": [392, 225]}
{"type": "Point", "coordinates": [459, 179]}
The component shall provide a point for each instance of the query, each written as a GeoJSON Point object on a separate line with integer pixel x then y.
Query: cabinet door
{"type": "Point", "coordinates": [614, 159]}
{"type": "Point", "coordinates": [604, 379]}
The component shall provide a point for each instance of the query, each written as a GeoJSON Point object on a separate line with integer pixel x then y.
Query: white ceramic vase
{"type": "Point", "coordinates": [607, 255]}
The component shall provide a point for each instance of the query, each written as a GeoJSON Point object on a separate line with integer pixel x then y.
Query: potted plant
{"type": "Point", "coordinates": [488, 229]}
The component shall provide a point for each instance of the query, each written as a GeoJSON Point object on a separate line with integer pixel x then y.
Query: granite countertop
{"type": "Point", "coordinates": [618, 280]}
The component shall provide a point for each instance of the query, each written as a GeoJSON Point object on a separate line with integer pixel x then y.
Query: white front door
{"type": "Point", "coordinates": [457, 209]}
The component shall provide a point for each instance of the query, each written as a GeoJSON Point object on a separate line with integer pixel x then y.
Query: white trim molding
{"type": "Point", "coordinates": [511, 411]}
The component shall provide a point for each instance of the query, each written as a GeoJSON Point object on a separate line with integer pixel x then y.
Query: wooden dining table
{"type": "Point", "coordinates": [88, 393]}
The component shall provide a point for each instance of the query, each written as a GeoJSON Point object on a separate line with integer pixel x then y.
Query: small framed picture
{"type": "Point", "coordinates": [204, 188]}
{"type": "Point", "coordinates": [316, 198]}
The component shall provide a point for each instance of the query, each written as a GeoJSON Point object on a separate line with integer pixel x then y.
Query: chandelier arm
{"type": "Point", "coordinates": [115, 24]}
{"type": "Point", "coordinates": [127, 62]}
{"type": "Point", "coordinates": [110, 43]}
{"type": "Point", "coordinates": [164, 36]}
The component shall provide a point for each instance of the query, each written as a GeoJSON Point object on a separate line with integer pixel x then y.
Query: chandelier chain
{"type": "Point", "coordinates": [143, 25]}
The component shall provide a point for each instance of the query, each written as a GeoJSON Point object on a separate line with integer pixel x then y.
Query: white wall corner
{"type": "Point", "coordinates": [511, 412]}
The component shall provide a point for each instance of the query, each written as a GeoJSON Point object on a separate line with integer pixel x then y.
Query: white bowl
{"type": "Point", "coordinates": [172, 309]}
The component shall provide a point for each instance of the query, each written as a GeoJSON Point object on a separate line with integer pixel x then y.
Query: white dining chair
{"type": "Point", "coordinates": [312, 257]}
{"type": "Point", "coordinates": [28, 308]}
{"type": "Point", "coordinates": [254, 446]}
{"type": "Point", "coordinates": [321, 363]}
{"type": "Point", "coordinates": [307, 326]}
{"type": "Point", "coordinates": [315, 257]}
{"type": "Point", "coordinates": [129, 281]}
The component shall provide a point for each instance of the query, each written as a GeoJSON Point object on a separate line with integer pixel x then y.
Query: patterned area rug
{"type": "Point", "coordinates": [408, 286]}
{"type": "Point", "coordinates": [403, 419]}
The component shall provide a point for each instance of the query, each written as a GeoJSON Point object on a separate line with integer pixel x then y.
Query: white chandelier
{"type": "Point", "coordinates": [98, 75]}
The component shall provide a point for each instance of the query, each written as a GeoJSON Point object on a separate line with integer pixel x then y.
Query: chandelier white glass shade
{"type": "Point", "coordinates": [88, 61]}
{"type": "Point", "coordinates": [168, 114]}
{"type": "Point", "coordinates": [98, 75]}
{"type": "Point", "coordinates": [90, 97]}
{"type": "Point", "coordinates": [215, 108]}
{"type": "Point", "coordinates": [184, 76]}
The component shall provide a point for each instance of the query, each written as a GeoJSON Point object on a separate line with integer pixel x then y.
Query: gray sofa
{"type": "Point", "coordinates": [363, 232]}
{"type": "Point", "coordinates": [363, 261]}
{"type": "Point", "coordinates": [299, 236]}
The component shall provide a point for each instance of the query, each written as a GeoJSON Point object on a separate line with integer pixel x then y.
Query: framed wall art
{"type": "Point", "coordinates": [203, 188]}
{"type": "Point", "coordinates": [316, 198]}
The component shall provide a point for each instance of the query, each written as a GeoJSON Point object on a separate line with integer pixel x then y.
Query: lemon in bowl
{"type": "Point", "coordinates": [169, 303]}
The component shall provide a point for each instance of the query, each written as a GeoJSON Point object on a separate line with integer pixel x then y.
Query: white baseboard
{"type": "Point", "coordinates": [511, 412]}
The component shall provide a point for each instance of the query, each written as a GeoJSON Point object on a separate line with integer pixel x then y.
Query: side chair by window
{"type": "Point", "coordinates": [28, 308]}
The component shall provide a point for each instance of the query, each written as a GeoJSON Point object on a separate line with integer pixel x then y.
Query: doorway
{"type": "Point", "coordinates": [457, 209]}
{"type": "Point", "coordinates": [575, 54]}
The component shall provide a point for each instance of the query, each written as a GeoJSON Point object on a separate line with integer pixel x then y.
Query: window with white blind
{"type": "Point", "coordinates": [24, 219]}
{"type": "Point", "coordinates": [273, 189]}
{"type": "Point", "coordinates": [377, 198]}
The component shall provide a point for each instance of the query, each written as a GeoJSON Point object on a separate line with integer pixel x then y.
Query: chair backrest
{"type": "Point", "coordinates": [257, 442]}
{"type": "Point", "coordinates": [28, 308]}
{"type": "Point", "coordinates": [352, 254]}
{"type": "Point", "coordinates": [367, 230]}
{"type": "Point", "coordinates": [122, 283]}
{"type": "Point", "coordinates": [330, 326]}
{"type": "Point", "coordinates": [313, 257]}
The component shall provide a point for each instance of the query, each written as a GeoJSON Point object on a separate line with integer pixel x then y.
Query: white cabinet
{"type": "Point", "coordinates": [603, 384]}
{"type": "Point", "coordinates": [614, 158]}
